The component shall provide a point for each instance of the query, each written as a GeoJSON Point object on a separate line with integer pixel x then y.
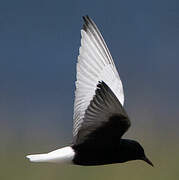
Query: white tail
{"type": "Point", "coordinates": [63, 155]}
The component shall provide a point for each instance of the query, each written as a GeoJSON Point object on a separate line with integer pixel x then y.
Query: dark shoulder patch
{"type": "Point", "coordinates": [105, 119]}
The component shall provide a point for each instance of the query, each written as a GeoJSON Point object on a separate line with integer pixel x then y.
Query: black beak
{"type": "Point", "coordinates": [148, 161]}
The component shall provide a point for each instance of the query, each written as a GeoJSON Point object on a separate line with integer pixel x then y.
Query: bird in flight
{"type": "Point", "coordinates": [99, 116]}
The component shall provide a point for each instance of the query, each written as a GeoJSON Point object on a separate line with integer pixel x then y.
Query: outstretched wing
{"type": "Point", "coordinates": [105, 120]}
{"type": "Point", "coordinates": [94, 64]}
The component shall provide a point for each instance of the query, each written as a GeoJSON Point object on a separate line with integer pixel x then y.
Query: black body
{"type": "Point", "coordinates": [100, 143]}
{"type": "Point", "coordinates": [124, 150]}
{"type": "Point", "coordinates": [98, 138]}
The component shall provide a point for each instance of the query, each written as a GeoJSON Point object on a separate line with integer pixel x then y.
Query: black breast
{"type": "Point", "coordinates": [123, 150]}
{"type": "Point", "coordinates": [91, 156]}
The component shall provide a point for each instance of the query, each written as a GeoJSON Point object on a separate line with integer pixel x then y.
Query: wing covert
{"type": "Point", "coordinates": [105, 119]}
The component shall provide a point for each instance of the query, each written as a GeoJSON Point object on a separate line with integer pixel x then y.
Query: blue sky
{"type": "Point", "coordinates": [39, 42]}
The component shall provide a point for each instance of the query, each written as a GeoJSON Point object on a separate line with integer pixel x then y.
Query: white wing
{"type": "Point", "coordinates": [94, 64]}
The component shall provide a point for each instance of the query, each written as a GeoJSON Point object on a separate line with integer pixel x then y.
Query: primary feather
{"type": "Point", "coordinates": [95, 64]}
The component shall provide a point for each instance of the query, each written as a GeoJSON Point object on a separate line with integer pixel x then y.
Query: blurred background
{"type": "Point", "coordinates": [39, 42]}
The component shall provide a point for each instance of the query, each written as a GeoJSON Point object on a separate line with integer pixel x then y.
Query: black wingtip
{"type": "Point", "coordinates": [86, 22]}
{"type": "Point", "coordinates": [85, 17]}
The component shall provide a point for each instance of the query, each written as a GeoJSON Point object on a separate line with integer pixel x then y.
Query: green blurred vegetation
{"type": "Point", "coordinates": [164, 155]}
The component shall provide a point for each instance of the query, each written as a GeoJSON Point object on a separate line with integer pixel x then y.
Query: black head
{"type": "Point", "coordinates": [132, 150]}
